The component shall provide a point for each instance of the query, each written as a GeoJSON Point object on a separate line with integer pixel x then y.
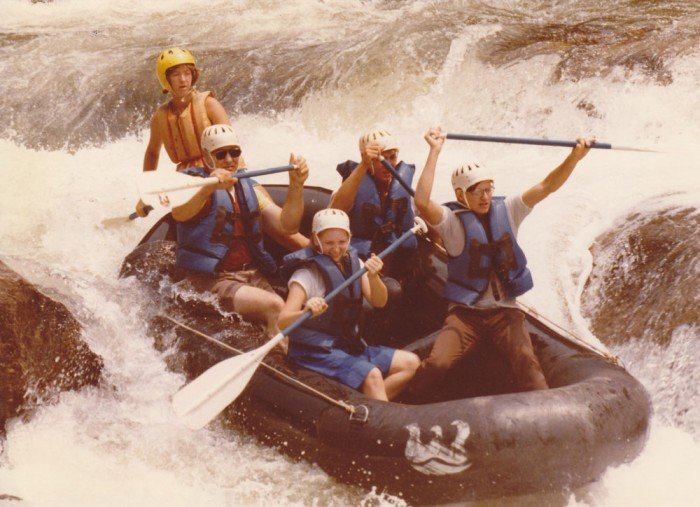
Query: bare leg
{"type": "Point", "coordinates": [403, 367]}
{"type": "Point", "coordinates": [373, 385]}
{"type": "Point", "coordinates": [258, 305]}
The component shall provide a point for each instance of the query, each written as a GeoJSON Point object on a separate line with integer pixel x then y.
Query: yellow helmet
{"type": "Point", "coordinates": [172, 57]}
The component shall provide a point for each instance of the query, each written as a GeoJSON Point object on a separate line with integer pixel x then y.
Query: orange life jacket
{"type": "Point", "coordinates": [182, 133]}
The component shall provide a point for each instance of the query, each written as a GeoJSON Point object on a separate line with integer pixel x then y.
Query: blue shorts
{"type": "Point", "coordinates": [334, 362]}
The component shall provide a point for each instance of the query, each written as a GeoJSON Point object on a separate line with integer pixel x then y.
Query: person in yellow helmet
{"type": "Point", "coordinates": [179, 123]}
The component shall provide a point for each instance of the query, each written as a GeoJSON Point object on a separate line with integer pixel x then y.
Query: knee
{"type": "Point", "coordinates": [412, 362]}
{"type": "Point", "coordinates": [275, 305]}
{"type": "Point", "coordinates": [373, 381]}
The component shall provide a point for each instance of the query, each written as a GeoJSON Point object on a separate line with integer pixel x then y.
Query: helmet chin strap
{"type": "Point", "coordinates": [463, 201]}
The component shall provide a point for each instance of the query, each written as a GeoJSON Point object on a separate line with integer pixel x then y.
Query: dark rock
{"type": "Point", "coordinates": [41, 351]}
{"type": "Point", "coordinates": [644, 281]}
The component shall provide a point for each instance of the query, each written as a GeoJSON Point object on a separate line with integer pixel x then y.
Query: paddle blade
{"type": "Point", "coordinates": [169, 188]}
{"type": "Point", "coordinates": [205, 397]}
{"type": "Point", "coordinates": [111, 223]}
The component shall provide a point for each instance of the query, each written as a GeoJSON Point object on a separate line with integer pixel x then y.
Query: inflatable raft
{"type": "Point", "coordinates": [476, 437]}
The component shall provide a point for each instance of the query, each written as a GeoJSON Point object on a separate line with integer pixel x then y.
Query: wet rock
{"type": "Point", "coordinates": [644, 282]}
{"type": "Point", "coordinates": [41, 350]}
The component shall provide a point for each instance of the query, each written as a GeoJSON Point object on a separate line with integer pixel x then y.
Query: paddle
{"type": "Point", "coordinates": [396, 176]}
{"type": "Point", "coordinates": [206, 396]}
{"type": "Point", "coordinates": [172, 189]}
{"type": "Point", "coordinates": [117, 221]}
{"type": "Point", "coordinates": [540, 142]}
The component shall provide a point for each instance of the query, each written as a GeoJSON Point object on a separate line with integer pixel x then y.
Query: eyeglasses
{"type": "Point", "coordinates": [482, 191]}
{"type": "Point", "coordinates": [234, 152]}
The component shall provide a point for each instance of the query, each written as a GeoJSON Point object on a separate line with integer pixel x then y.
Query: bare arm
{"type": "Point", "coordinates": [429, 209]}
{"type": "Point", "coordinates": [293, 208]}
{"type": "Point", "coordinates": [293, 307]}
{"type": "Point", "coordinates": [297, 304]}
{"type": "Point", "coordinates": [344, 197]}
{"type": "Point", "coordinates": [216, 112]}
{"type": "Point", "coordinates": [155, 142]}
{"type": "Point", "coordinates": [188, 210]}
{"type": "Point", "coordinates": [555, 179]}
{"type": "Point", "coordinates": [373, 289]}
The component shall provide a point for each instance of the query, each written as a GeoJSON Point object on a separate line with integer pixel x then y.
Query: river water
{"type": "Point", "coordinates": [310, 77]}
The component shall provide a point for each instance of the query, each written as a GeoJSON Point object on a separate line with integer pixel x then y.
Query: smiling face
{"type": "Point", "coordinates": [334, 243]}
{"type": "Point", "coordinates": [227, 157]}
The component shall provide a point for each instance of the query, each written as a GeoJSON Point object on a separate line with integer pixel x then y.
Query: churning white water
{"type": "Point", "coordinates": [310, 77]}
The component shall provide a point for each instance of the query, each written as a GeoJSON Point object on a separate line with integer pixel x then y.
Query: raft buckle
{"type": "Point", "coordinates": [360, 415]}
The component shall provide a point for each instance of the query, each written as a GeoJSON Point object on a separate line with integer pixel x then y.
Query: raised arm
{"type": "Point", "coordinates": [429, 209]}
{"type": "Point", "coordinates": [344, 197]}
{"type": "Point", "coordinates": [293, 209]}
{"type": "Point", "coordinates": [554, 180]}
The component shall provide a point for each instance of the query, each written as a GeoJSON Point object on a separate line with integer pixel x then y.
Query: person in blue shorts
{"type": "Point", "coordinates": [328, 342]}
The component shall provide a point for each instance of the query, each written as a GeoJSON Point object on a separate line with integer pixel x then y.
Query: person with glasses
{"type": "Point", "coordinates": [220, 230]}
{"type": "Point", "coordinates": [486, 268]}
{"type": "Point", "coordinates": [178, 124]}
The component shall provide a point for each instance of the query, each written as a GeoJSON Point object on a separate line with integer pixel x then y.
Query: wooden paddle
{"type": "Point", "coordinates": [112, 222]}
{"type": "Point", "coordinates": [173, 189]}
{"type": "Point", "coordinates": [205, 397]}
{"type": "Point", "coordinates": [540, 142]}
{"type": "Point", "coordinates": [176, 188]}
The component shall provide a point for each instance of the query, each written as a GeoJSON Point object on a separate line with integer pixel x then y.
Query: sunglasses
{"type": "Point", "coordinates": [234, 152]}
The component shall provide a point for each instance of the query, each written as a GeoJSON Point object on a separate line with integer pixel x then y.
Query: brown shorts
{"type": "Point", "coordinates": [226, 283]}
{"type": "Point", "coordinates": [464, 328]}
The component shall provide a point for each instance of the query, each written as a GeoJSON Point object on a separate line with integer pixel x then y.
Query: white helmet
{"type": "Point", "coordinates": [469, 174]}
{"type": "Point", "coordinates": [330, 218]}
{"type": "Point", "coordinates": [381, 137]}
{"type": "Point", "coordinates": [215, 137]}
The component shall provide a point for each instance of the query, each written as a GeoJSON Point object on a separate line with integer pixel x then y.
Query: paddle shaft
{"type": "Point", "coordinates": [206, 396]}
{"type": "Point", "coordinates": [524, 140]}
{"type": "Point", "coordinates": [306, 315]}
{"type": "Point", "coordinates": [202, 182]}
{"type": "Point", "coordinates": [396, 176]}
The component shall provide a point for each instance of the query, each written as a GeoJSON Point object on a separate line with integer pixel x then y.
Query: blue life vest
{"type": "Point", "coordinates": [202, 244]}
{"type": "Point", "coordinates": [497, 251]}
{"type": "Point", "coordinates": [374, 228]}
{"type": "Point", "coordinates": [343, 313]}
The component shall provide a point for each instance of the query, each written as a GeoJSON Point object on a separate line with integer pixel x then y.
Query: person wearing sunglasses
{"type": "Point", "coordinates": [486, 267]}
{"type": "Point", "coordinates": [220, 230]}
{"type": "Point", "coordinates": [178, 124]}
